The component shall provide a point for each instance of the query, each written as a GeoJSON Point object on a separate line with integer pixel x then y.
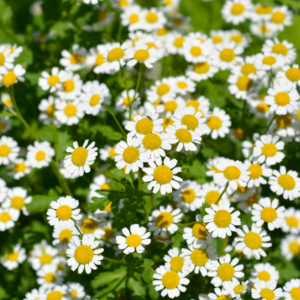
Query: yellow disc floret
{"type": "Point", "coordinates": [267, 294]}
{"type": "Point", "coordinates": [201, 68]}
{"type": "Point", "coordinates": [183, 136]}
{"type": "Point", "coordinates": [152, 141]}
{"type": "Point", "coordinates": [225, 272]}
{"type": "Point", "coordinates": [131, 155]}
{"type": "Point", "coordinates": [237, 9]}
{"type": "Point", "coordinates": [253, 240]}
{"type": "Point", "coordinates": [176, 263]}
{"type": "Point", "coordinates": [170, 280]}
{"type": "Point", "coordinates": [190, 121]}
{"type": "Point", "coordinates": [115, 54]}
{"type": "Point", "coordinates": [199, 231]}
{"type": "Point", "coordinates": [79, 156]}
{"type": "Point", "coordinates": [227, 55]}
{"type": "Point", "coordinates": [256, 171]}
{"type": "Point", "coordinates": [84, 254]}
{"type": "Point", "coordinates": [222, 218]}
{"type": "Point", "coordinates": [141, 55]}
{"type": "Point", "coordinates": [9, 78]}
{"type": "Point", "coordinates": [89, 225]}
{"type": "Point", "coordinates": [232, 173]}
{"type": "Point", "coordinates": [282, 98]}
{"type": "Point", "coordinates": [144, 126]}
{"type": "Point", "coordinates": [64, 212]}
{"type": "Point", "coordinates": [70, 110]}
{"type": "Point", "coordinates": [133, 240]}
{"type": "Point", "coordinates": [264, 276]}
{"type": "Point", "coordinates": [17, 202]}
{"type": "Point", "coordinates": [40, 155]}
{"type": "Point", "coordinates": [94, 100]}
{"type": "Point", "coordinates": [287, 182]}
{"type": "Point", "coordinates": [65, 236]}
{"type": "Point", "coordinates": [55, 295]}
{"type": "Point", "coordinates": [199, 257]}
{"type": "Point", "coordinates": [214, 122]}
{"type": "Point", "coordinates": [269, 150]}
{"type": "Point", "coordinates": [164, 220]}
{"type": "Point", "coordinates": [162, 174]}
{"type": "Point", "coordinates": [268, 214]}
{"type": "Point", "coordinates": [188, 196]}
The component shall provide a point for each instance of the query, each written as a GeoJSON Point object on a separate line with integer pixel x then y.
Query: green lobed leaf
{"type": "Point", "coordinates": [40, 203]}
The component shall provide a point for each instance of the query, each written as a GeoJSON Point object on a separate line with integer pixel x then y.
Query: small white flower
{"type": "Point", "coordinates": [47, 108]}
{"type": "Point", "coordinates": [69, 113]}
{"type": "Point", "coordinates": [143, 55]}
{"type": "Point", "coordinates": [237, 11]}
{"type": "Point", "coordinates": [58, 291]}
{"type": "Point", "coordinates": [51, 82]}
{"type": "Point", "coordinates": [291, 222]}
{"type": "Point", "coordinates": [9, 150]}
{"type": "Point", "coordinates": [63, 234]}
{"type": "Point", "coordinates": [223, 293]}
{"type": "Point", "coordinates": [257, 173]}
{"type": "Point", "coordinates": [8, 217]}
{"type": "Point", "coordinates": [281, 17]}
{"type": "Point", "coordinates": [13, 259]}
{"type": "Point", "coordinates": [164, 90]}
{"type": "Point", "coordinates": [90, 226]}
{"type": "Point", "coordinates": [153, 19]}
{"type": "Point", "coordinates": [238, 289]}
{"type": "Point", "coordinates": [266, 291]}
{"type": "Point", "coordinates": [39, 155]}
{"type": "Point", "coordinates": [74, 61]}
{"type": "Point", "coordinates": [20, 168]}
{"type": "Point", "coordinates": [290, 246]}
{"type": "Point", "coordinates": [289, 74]}
{"type": "Point", "coordinates": [264, 272]}
{"type": "Point", "coordinates": [202, 70]}
{"type": "Point", "coordinates": [6, 60]}
{"type": "Point", "coordinates": [48, 275]}
{"type": "Point", "coordinates": [77, 290]}
{"type": "Point", "coordinates": [177, 262]}
{"type": "Point", "coordinates": [291, 289]}
{"type": "Point", "coordinates": [70, 86]}
{"type": "Point", "coordinates": [12, 76]}
{"type": "Point", "coordinates": [122, 102]}
{"type": "Point", "coordinates": [269, 61]}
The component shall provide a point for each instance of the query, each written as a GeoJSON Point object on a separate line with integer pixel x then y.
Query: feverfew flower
{"type": "Point", "coordinates": [12, 76]}
{"type": "Point", "coordinates": [143, 55]}
{"type": "Point", "coordinates": [177, 262]}
{"type": "Point", "coordinates": [39, 155]}
{"type": "Point", "coordinates": [264, 272]}
{"type": "Point", "coordinates": [75, 61]}
{"type": "Point", "coordinates": [9, 150]}
{"type": "Point", "coordinates": [291, 289]}
{"type": "Point", "coordinates": [51, 82]}
{"type": "Point", "coordinates": [237, 11]}
{"type": "Point", "coordinates": [13, 259]}
{"type": "Point", "coordinates": [69, 113]}
{"type": "Point", "coordinates": [266, 291]}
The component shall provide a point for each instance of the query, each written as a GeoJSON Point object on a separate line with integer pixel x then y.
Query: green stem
{"type": "Point", "coordinates": [226, 186]}
{"type": "Point", "coordinates": [113, 260]}
{"type": "Point", "coordinates": [119, 32]}
{"type": "Point", "coordinates": [136, 90]}
{"type": "Point", "coordinates": [125, 84]}
{"type": "Point", "coordinates": [116, 120]}
{"type": "Point", "coordinates": [153, 200]}
{"type": "Point", "coordinates": [206, 150]}
{"type": "Point", "coordinates": [79, 231]}
{"type": "Point", "coordinates": [270, 123]}
{"type": "Point", "coordinates": [62, 181]}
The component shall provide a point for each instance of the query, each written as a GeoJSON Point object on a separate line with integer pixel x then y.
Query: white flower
{"type": "Point", "coordinates": [96, 59]}
{"type": "Point", "coordinates": [289, 74]}
{"type": "Point", "coordinates": [164, 219]}
{"type": "Point", "coordinates": [144, 56]}
{"type": "Point", "coordinates": [264, 29]}
{"type": "Point", "coordinates": [195, 51]}
{"type": "Point", "coordinates": [122, 102]}
{"type": "Point", "coordinates": [70, 86]}
{"type": "Point", "coordinates": [162, 177]}
{"type": "Point", "coordinates": [202, 70]}
{"type": "Point", "coordinates": [269, 61]}
{"type": "Point", "coordinates": [6, 100]}
{"type": "Point", "coordinates": [47, 108]}
{"type": "Point", "coordinates": [177, 262]}
{"type": "Point", "coordinates": [291, 289]}
{"type": "Point", "coordinates": [132, 17]}
{"type": "Point", "coordinates": [107, 152]}
{"type": "Point", "coordinates": [237, 11]}
{"type": "Point", "coordinates": [251, 242]}
{"type": "Point", "coordinates": [81, 158]}
{"type": "Point", "coordinates": [257, 171]}
{"type": "Point", "coordinates": [90, 226]}
{"type": "Point", "coordinates": [134, 239]}
{"type": "Point", "coordinates": [184, 85]}
{"type": "Point", "coordinates": [248, 68]}
{"type": "Point", "coordinates": [69, 113]}
{"type": "Point", "coordinates": [9, 150]}
{"type": "Point", "coordinates": [39, 155]}
{"type": "Point", "coordinates": [261, 12]}
{"type": "Point", "coordinates": [238, 289]}
{"type": "Point", "coordinates": [63, 211]}
{"type": "Point", "coordinates": [269, 212]}
{"type": "Point", "coordinates": [285, 183]}
{"type": "Point", "coordinates": [12, 76]}
{"type": "Point", "coordinates": [8, 217]}
{"type": "Point", "coordinates": [264, 272]}
{"type": "Point", "coordinates": [6, 60]}
{"type": "Point", "coordinates": [290, 246]}
{"type": "Point", "coordinates": [170, 106]}
{"type": "Point", "coordinates": [34, 294]}
{"type": "Point", "coordinates": [51, 82]}
{"type": "Point", "coordinates": [266, 291]}
{"type": "Point", "coordinates": [75, 61]}
{"type": "Point", "coordinates": [281, 17]}
{"type": "Point", "coordinates": [84, 254]}
{"type": "Point", "coordinates": [13, 259]}
{"type": "Point", "coordinates": [48, 275]}
{"type": "Point", "coordinates": [153, 19]}
{"type": "Point", "coordinates": [63, 234]}
{"type": "Point", "coordinates": [240, 86]}
{"type": "Point", "coordinates": [220, 220]}
{"type": "Point", "coordinates": [291, 222]}
{"type": "Point", "coordinates": [77, 290]}
{"type": "Point", "coordinates": [162, 89]}
{"type": "Point", "coordinates": [99, 183]}
{"type": "Point", "coordinates": [20, 168]}
{"type": "Point", "coordinates": [170, 282]}
{"type": "Point", "coordinates": [58, 291]}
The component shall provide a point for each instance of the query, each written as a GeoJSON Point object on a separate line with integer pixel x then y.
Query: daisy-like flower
{"type": "Point", "coordinates": [109, 233]}
{"type": "Point", "coordinates": [211, 165]}
{"type": "Point", "coordinates": [17, 199]}
{"type": "Point", "coordinates": [48, 275]}
{"type": "Point", "coordinates": [70, 86]}
{"type": "Point", "coordinates": [202, 70]}
{"type": "Point", "coordinates": [240, 86]}
{"type": "Point", "coordinates": [63, 212]}
{"type": "Point", "coordinates": [184, 85]}
{"type": "Point", "coordinates": [290, 246]}
{"type": "Point", "coordinates": [291, 222]}
{"type": "Point", "coordinates": [170, 106]}
{"type": "Point", "coordinates": [9, 150]}
{"type": "Point", "coordinates": [226, 271]}
{"type": "Point", "coordinates": [218, 123]}
{"type": "Point", "coordinates": [267, 149]}
{"type": "Point", "coordinates": [164, 219]}
{"type": "Point", "coordinates": [77, 290]}
{"type": "Point", "coordinates": [232, 172]}
{"type": "Point", "coordinates": [177, 262]}
{"type": "Point", "coordinates": [99, 183]}
{"type": "Point", "coordinates": [258, 106]}
{"type": "Point", "coordinates": [257, 172]}
{"type": "Point", "coordinates": [153, 19]}
{"type": "Point", "coordinates": [47, 108]}
{"type": "Point", "coordinates": [90, 226]}
{"type": "Point", "coordinates": [39, 155]}
{"type": "Point", "coordinates": [264, 272]}
{"type": "Point", "coordinates": [20, 168]}
{"type": "Point", "coordinates": [266, 291]}
{"type": "Point", "coordinates": [143, 55]}
{"type": "Point", "coordinates": [285, 126]}
{"type": "Point", "coordinates": [134, 239]}
{"type": "Point", "coordinates": [188, 196]}
{"type": "Point", "coordinates": [164, 90]}
{"type": "Point", "coordinates": [58, 291]}
{"type": "Point", "coordinates": [238, 289]}
{"type": "Point", "coordinates": [69, 113]}
{"type": "Point", "coordinates": [237, 11]}
{"type": "Point", "coordinates": [281, 17]}
{"type": "Point", "coordinates": [269, 212]}
{"type": "Point", "coordinates": [185, 138]}
{"type": "Point", "coordinates": [248, 68]}
{"type": "Point", "coordinates": [84, 254]}
{"type": "Point", "coordinates": [227, 55]}
{"type": "Point", "coordinates": [81, 158]}
{"type": "Point", "coordinates": [282, 99]}
{"type": "Point", "coordinates": [218, 294]}
{"type": "Point", "coordinates": [12, 76]}
{"type": "Point", "coordinates": [210, 193]}
{"type": "Point", "coordinates": [63, 234]}
{"type": "Point", "coordinates": [220, 220]}
{"type": "Point", "coordinates": [285, 183]}
{"type": "Point", "coordinates": [251, 242]}
{"type": "Point", "coordinates": [289, 74]}
{"type": "Point", "coordinates": [51, 82]}
{"type": "Point", "coordinates": [261, 12]}
{"type": "Point", "coordinates": [8, 217]}
{"type": "Point", "coordinates": [107, 152]}
{"type": "Point", "coordinates": [130, 155]}
{"type": "Point", "coordinates": [13, 259]}
{"type": "Point", "coordinates": [269, 61]}
{"type": "Point", "coordinates": [202, 257]}
{"type": "Point", "coordinates": [132, 17]}
{"type": "Point", "coordinates": [291, 289]}
{"type": "Point", "coordinates": [171, 283]}
{"type": "Point", "coordinates": [264, 29]}
{"type": "Point", "coordinates": [6, 100]}
{"type": "Point", "coordinates": [95, 59]}
{"type": "Point", "coordinates": [175, 41]}
{"type": "Point", "coordinates": [6, 60]}
{"type": "Point", "coordinates": [5, 124]}
{"type": "Point", "coordinates": [75, 61]}
{"type": "Point", "coordinates": [33, 294]}
{"type": "Point", "coordinates": [195, 51]}
{"type": "Point", "coordinates": [162, 176]}
{"type": "Point", "coordinates": [195, 235]}
{"type": "Point", "coordinates": [123, 103]}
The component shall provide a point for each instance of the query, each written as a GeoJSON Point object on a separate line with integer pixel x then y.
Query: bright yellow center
{"type": "Point", "coordinates": [284, 121]}
{"type": "Point", "coordinates": [224, 297]}
{"type": "Point", "coordinates": [164, 220]}
{"type": "Point", "coordinates": [171, 106]}
{"type": "Point", "coordinates": [151, 17]}
{"type": "Point", "coordinates": [193, 103]}
{"type": "Point", "coordinates": [45, 259]}
{"type": "Point", "coordinates": [9, 79]}
{"type": "Point", "coordinates": [196, 51]}
{"type": "Point", "coordinates": [201, 68]}
{"type": "Point", "coordinates": [295, 293]}
{"type": "Point", "coordinates": [8, 103]}
{"type": "Point", "coordinates": [237, 38]}
{"type": "Point", "coordinates": [94, 100]}
{"type": "Point", "coordinates": [190, 121]}
{"type": "Point", "coordinates": [170, 280]}
{"type": "Point", "coordinates": [225, 272]}
{"type": "Point", "coordinates": [70, 110]}
{"type": "Point", "coordinates": [17, 202]}
{"type": "Point", "coordinates": [152, 141]}
{"type": "Point", "coordinates": [133, 18]}
{"type": "Point", "coordinates": [287, 182]}
{"type": "Point", "coordinates": [105, 186]}
{"type": "Point", "coordinates": [239, 289]}
{"type": "Point", "coordinates": [109, 233]}
{"type": "Point", "coordinates": [151, 45]}
{"type": "Point", "coordinates": [248, 68]}
{"type": "Point", "coordinates": [76, 58]}
{"type": "Point", "coordinates": [50, 111]}
{"type": "Point", "coordinates": [295, 247]}
{"type": "Point", "coordinates": [4, 150]}
{"type": "Point", "coordinates": [64, 212]}
{"type": "Point", "coordinates": [2, 59]}
{"type": "Point", "coordinates": [55, 295]}
{"type": "Point", "coordinates": [162, 31]}
{"type": "Point", "coordinates": [222, 218]}
{"type": "Point", "coordinates": [178, 42]}
{"type": "Point", "coordinates": [5, 217]}
{"type": "Point", "coordinates": [282, 98]}
{"type": "Point", "coordinates": [131, 155]}
{"type": "Point", "coordinates": [84, 254]}
{"type": "Point", "coordinates": [267, 294]}
{"type": "Point", "coordinates": [79, 156]}
{"type": "Point", "coordinates": [278, 17]}
{"type": "Point", "coordinates": [256, 171]}
{"type": "Point", "coordinates": [89, 225]}
{"type": "Point", "coordinates": [232, 173]}
{"type": "Point", "coordinates": [214, 122]}
{"type": "Point", "coordinates": [269, 60]}
{"type": "Point", "coordinates": [293, 74]}
{"type": "Point", "coordinates": [53, 80]}
{"type": "Point", "coordinates": [268, 214]}
{"type": "Point", "coordinates": [227, 55]}
{"type": "Point", "coordinates": [182, 85]}
{"type": "Point", "coordinates": [176, 263]}
{"type": "Point", "coordinates": [199, 257]}
{"type": "Point", "coordinates": [40, 155]}
{"type": "Point", "coordinates": [188, 196]}
{"type": "Point", "coordinates": [244, 83]}
{"type": "Point", "coordinates": [292, 221]}
{"type": "Point", "coordinates": [68, 86]}
{"type": "Point", "coordinates": [167, 122]}
{"type": "Point", "coordinates": [199, 231]}
{"type": "Point", "coordinates": [123, 3]}
{"type": "Point", "coordinates": [269, 150]}
{"type": "Point", "coordinates": [253, 240]}
{"type": "Point", "coordinates": [13, 256]}
{"type": "Point", "coordinates": [237, 9]}
{"type": "Point", "coordinates": [112, 152]}
{"type": "Point", "coordinates": [263, 28]}
{"type": "Point", "coordinates": [217, 39]}
{"type": "Point", "coordinates": [141, 55]}
{"type": "Point", "coordinates": [163, 89]}
{"type": "Point", "coordinates": [211, 197]}
{"type": "Point", "coordinates": [263, 9]}
{"type": "Point", "coordinates": [241, 189]}
{"type": "Point", "coordinates": [184, 136]}
{"type": "Point", "coordinates": [162, 174]}
{"type": "Point", "coordinates": [115, 54]}
{"type": "Point", "coordinates": [65, 236]}
{"type": "Point", "coordinates": [126, 102]}
{"type": "Point", "coordinates": [100, 59]}
{"type": "Point", "coordinates": [133, 240]}
{"type": "Point", "coordinates": [280, 49]}
{"type": "Point", "coordinates": [144, 126]}
{"type": "Point", "coordinates": [50, 277]}
{"type": "Point", "coordinates": [262, 107]}
{"type": "Point", "coordinates": [264, 276]}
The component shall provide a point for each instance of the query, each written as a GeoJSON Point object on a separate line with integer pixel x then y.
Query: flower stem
{"type": "Point", "coordinates": [270, 124]}
{"type": "Point", "coordinates": [227, 184]}
{"type": "Point", "coordinates": [80, 233]}
{"type": "Point", "coordinates": [116, 120]}
{"type": "Point", "coordinates": [206, 150]}
{"type": "Point", "coordinates": [113, 260]}
{"type": "Point", "coordinates": [136, 90]}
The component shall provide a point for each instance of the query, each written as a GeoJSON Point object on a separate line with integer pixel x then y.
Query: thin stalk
{"type": "Point", "coordinates": [62, 181]}
{"type": "Point", "coordinates": [206, 150]}
{"type": "Point", "coordinates": [116, 120]}
{"type": "Point", "coordinates": [136, 89]}
{"type": "Point", "coordinates": [153, 200]}
{"type": "Point", "coordinates": [113, 260]}
{"type": "Point", "coordinates": [80, 233]}
{"type": "Point", "coordinates": [119, 32]}
{"type": "Point", "coordinates": [227, 184]}
{"type": "Point", "coordinates": [125, 84]}
{"type": "Point", "coordinates": [270, 124]}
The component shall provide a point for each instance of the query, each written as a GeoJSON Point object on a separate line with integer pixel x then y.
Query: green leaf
{"type": "Point", "coordinates": [6, 113]}
{"type": "Point", "coordinates": [137, 288]}
{"type": "Point", "coordinates": [107, 131]}
{"type": "Point", "coordinates": [60, 30]}
{"type": "Point", "coordinates": [40, 203]}
{"type": "Point", "coordinates": [148, 272]}
{"type": "Point", "coordinates": [105, 278]}
{"type": "Point", "coordinates": [64, 141]}
{"type": "Point", "coordinates": [26, 59]}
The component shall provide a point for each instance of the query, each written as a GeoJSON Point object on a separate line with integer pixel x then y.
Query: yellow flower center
{"type": "Point", "coordinates": [182, 85]}
{"type": "Point", "coordinates": [64, 212]}
{"type": "Point", "coordinates": [268, 214]}
{"type": "Point", "coordinates": [108, 207]}
{"type": "Point", "coordinates": [224, 297]}
{"type": "Point", "coordinates": [68, 86]}
{"type": "Point", "coordinates": [50, 111]}
{"type": "Point", "coordinates": [222, 218]}
{"type": "Point", "coordinates": [105, 186]}
{"type": "Point", "coordinates": [190, 121]}
{"type": "Point", "coordinates": [244, 83]}
{"type": "Point", "coordinates": [141, 55]}
{"type": "Point", "coordinates": [226, 272]}
{"type": "Point", "coordinates": [123, 3]}
{"type": "Point", "coordinates": [262, 107]}
{"type": "Point", "coordinates": [196, 51]}
{"type": "Point", "coordinates": [188, 196]}
{"type": "Point", "coordinates": [287, 182]}
{"type": "Point", "coordinates": [2, 59]}
{"type": "Point", "coordinates": [284, 121]}
{"type": "Point", "coordinates": [264, 276]}
{"type": "Point", "coordinates": [217, 39]}
{"type": "Point", "coordinates": [151, 17]}
{"type": "Point", "coordinates": [89, 225]}
{"type": "Point", "coordinates": [134, 18]}
{"type": "Point", "coordinates": [152, 141]}
{"type": "Point", "coordinates": [84, 254]}
{"type": "Point", "coordinates": [264, 29]}
{"type": "Point", "coordinates": [115, 54]}
{"type": "Point", "coordinates": [144, 126]}
{"type": "Point", "coordinates": [94, 100]}
{"type": "Point", "coordinates": [176, 263]}
{"type": "Point", "coordinates": [214, 122]}
{"type": "Point", "coordinates": [13, 256]}
{"type": "Point", "coordinates": [295, 293]}
{"type": "Point", "coordinates": [253, 240]}
{"type": "Point", "coordinates": [280, 49]}
{"type": "Point", "coordinates": [164, 220]}
{"type": "Point", "coordinates": [112, 152]}
{"type": "Point", "coordinates": [269, 150]}
{"type": "Point", "coordinates": [151, 45]}
{"type": "Point", "coordinates": [133, 240]}
{"type": "Point", "coordinates": [267, 294]}
{"type": "Point", "coordinates": [251, 200]}
{"type": "Point", "coordinates": [9, 78]}
{"type": "Point", "coordinates": [55, 295]}
{"type": "Point", "coordinates": [65, 236]}
{"type": "Point", "coordinates": [292, 221]}
{"type": "Point", "coordinates": [2, 125]}
{"type": "Point", "coordinates": [170, 280]}
{"type": "Point", "coordinates": [201, 68]}
{"type": "Point", "coordinates": [79, 156]}
{"type": "Point", "coordinates": [278, 17]}
{"type": "Point", "coordinates": [256, 171]}
{"type": "Point", "coordinates": [232, 173]}
{"type": "Point", "coordinates": [237, 9]}
{"type": "Point", "coordinates": [40, 155]}
{"type": "Point", "coordinates": [17, 202]}
{"type": "Point", "coordinates": [227, 55]}
{"type": "Point", "coordinates": [131, 155]}
{"type": "Point", "coordinates": [193, 103]}
{"type": "Point", "coordinates": [199, 257]}
{"type": "Point", "coordinates": [237, 38]}
{"type": "Point", "coordinates": [239, 133]}
{"type": "Point", "coordinates": [100, 59]}
{"type": "Point", "coordinates": [53, 80]}
{"type": "Point", "coordinates": [162, 174]}
{"type": "Point", "coordinates": [50, 277]}
{"type": "Point", "coordinates": [167, 122]}
{"type": "Point", "coordinates": [4, 150]}
{"type": "Point", "coordinates": [171, 106]}
{"type": "Point", "coordinates": [184, 136]}
{"type": "Point", "coordinates": [263, 9]}
{"type": "Point", "coordinates": [109, 233]}
{"type": "Point", "coordinates": [293, 74]}
{"type": "Point", "coordinates": [162, 31]}
{"type": "Point", "coordinates": [76, 58]}
{"type": "Point", "coordinates": [239, 289]}
{"type": "Point", "coordinates": [248, 68]}
{"type": "Point", "coordinates": [178, 42]}
{"type": "Point", "coordinates": [45, 259]}
{"type": "Point", "coordinates": [163, 89]}
{"type": "Point", "coordinates": [199, 231]}
{"type": "Point", "coordinates": [295, 247]}
{"type": "Point", "coordinates": [241, 189]}
{"type": "Point", "coordinates": [5, 217]}
{"type": "Point", "coordinates": [282, 98]}
{"type": "Point", "coordinates": [269, 60]}
{"type": "Point", "coordinates": [211, 197]}
{"type": "Point", "coordinates": [126, 102]}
